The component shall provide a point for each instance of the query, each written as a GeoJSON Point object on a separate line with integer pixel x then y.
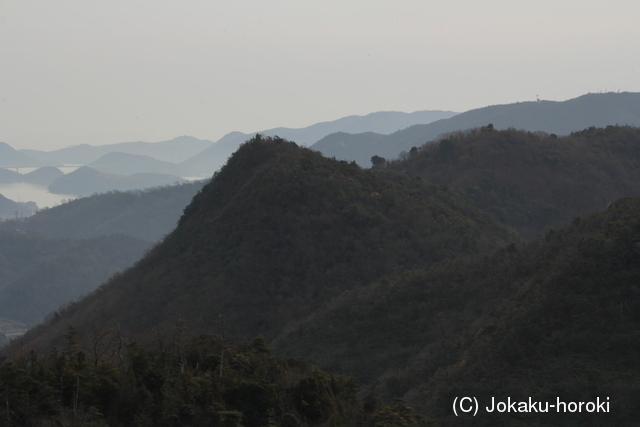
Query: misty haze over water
{"type": "Point", "coordinates": [25, 192]}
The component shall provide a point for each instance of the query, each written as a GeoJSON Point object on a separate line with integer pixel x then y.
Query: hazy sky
{"type": "Point", "coordinates": [98, 71]}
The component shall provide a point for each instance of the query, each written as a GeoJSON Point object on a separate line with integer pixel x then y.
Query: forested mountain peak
{"type": "Point", "coordinates": [277, 231]}
{"type": "Point", "coordinates": [381, 274]}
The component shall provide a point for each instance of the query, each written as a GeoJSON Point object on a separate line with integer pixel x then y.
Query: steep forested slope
{"type": "Point", "coordinates": [42, 268]}
{"type": "Point", "coordinates": [399, 281]}
{"type": "Point", "coordinates": [279, 230]}
{"type": "Point", "coordinates": [531, 181]}
{"type": "Point", "coordinates": [556, 318]}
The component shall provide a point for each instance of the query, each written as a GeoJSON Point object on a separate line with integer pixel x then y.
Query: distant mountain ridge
{"type": "Point", "coordinates": [189, 156]}
{"type": "Point", "coordinates": [400, 281]}
{"type": "Point", "coordinates": [128, 164]}
{"type": "Point", "coordinates": [551, 117]}
{"type": "Point", "coordinates": [145, 214]}
{"type": "Point", "coordinates": [85, 181]}
{"type": "Point", "coordinates": [383, 122]}
{"type": "Point", "coordinates": [560, 118]}
{"type": "Point", "coordinates": [66, 251]}
{"type": "Point", "coordinates": [174, 150]}
{"type": "Point", "coordinates": [396, 132]}
{"type": "Point", "coordinates": [11, 158]}
{"type": "Point", "coordinates": [42, 176]}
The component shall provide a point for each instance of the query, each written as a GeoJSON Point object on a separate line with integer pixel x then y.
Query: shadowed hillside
{"type": "Point", "coordinates": [401, 282]}
{"type": "Point", "coordinates": [41, 268]}
{"type": "Point", "coordinates": [39, 274]}
{"type": "Point", "coordinates": [531, 181]}
{"type": "Point", "coordinates": [279, 230]}
{"type": "Point", "coordinates": [558, 317]}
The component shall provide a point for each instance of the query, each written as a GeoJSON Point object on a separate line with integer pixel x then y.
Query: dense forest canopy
{"type": "Point", "coordinates": [558, 316]}
{"type": "Point", "coordinates": [405, 275]}
{"type": "Point", "coordinates": [532, 181]}
{"type": "Point", "coordinates": [181, 380]}
{"type": "Point", "coordinates": [279, 230]}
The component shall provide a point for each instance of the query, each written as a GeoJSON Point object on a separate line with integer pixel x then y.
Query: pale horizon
{"type": "Point", "coordinates": [97, 73]}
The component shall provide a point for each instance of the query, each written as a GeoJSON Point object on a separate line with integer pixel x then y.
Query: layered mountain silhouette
{"type": "Point", "coordinates": [411, 276]}
{"type": "Point", "coordinates": [129, 164]}
{"type": "Point", "coordinates": [43, 176]}
{"type": "Point", "coordinates": [405, 283]}
{"type": "Point", "coordinates": [277, 232]}
{"type": "Point", "coordinates": [189, 156]}
{"type": "Point", "coordinates": [175, 151]}
{"type": "Point", "coordinates": [147, 214]}
{"type": "Point", "coordinates": [11, 158]}
{"type": "Point", "coordinates": [85, 181]}
{"type": "Point", "coordinates": [383, 122]}
{"type": "Point", "coordinates": [59, 254]}
{"type": "Point", "coordinates": [8, 176]}
{"type": "Point", "coordinates": [560, 118]}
